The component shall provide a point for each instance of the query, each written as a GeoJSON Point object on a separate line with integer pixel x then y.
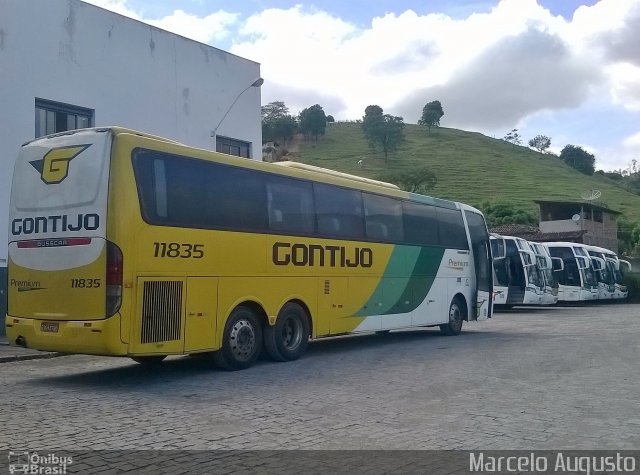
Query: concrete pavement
{"type": "Point", "coordinates": [546, 378]}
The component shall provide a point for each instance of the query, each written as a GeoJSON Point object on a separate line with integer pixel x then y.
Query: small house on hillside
{"type": "Point", "coordinates": [570, 221]}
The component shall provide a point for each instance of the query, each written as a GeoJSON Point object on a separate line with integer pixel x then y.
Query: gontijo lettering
{"type": "Point", "coordinates": [285, 253]}
{"type": "Point", "coordinates": [55, 224]}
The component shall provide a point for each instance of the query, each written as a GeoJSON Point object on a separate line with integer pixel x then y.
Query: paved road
{"type": "Point", "coordinates": [530, 379]}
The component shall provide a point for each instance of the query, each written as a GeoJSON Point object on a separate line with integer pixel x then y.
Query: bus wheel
{"type": "Point", "coordinates": [289, 337]}
{"type": "Point", "coordinates": [456, 316]}
{"type": "Point", "coordinates": [241, 341]}
{"type": "Point", "coordinates": [154, 360]}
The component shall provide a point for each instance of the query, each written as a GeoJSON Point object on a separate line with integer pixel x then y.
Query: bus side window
{"type": "Point", "coordinates": [383, 218]}
{"type": "Point", "coordinates": [420, 223]}
{"type": "Point", "coordinates": [290, 205]}
{"type": "Point", "coordinates": [451, 231]}
{"type": "Point", "coordinates": [342, 204]}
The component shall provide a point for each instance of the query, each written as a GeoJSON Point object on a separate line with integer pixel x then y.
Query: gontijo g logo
{"type": "Point", "coordinates": [54, 166]}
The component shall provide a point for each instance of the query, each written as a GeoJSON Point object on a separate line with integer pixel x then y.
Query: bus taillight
{"type": "Point", "coordinates": [114, 278]}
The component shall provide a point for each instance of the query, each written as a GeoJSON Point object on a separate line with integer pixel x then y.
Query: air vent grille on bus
{"type": "Point", "coordinates": [161, 311]}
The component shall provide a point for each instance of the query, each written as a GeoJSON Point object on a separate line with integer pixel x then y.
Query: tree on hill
{"type": "Point", "coordinates": [578, 158]}
{"type": "Point", "coordinates": [502, 212]}
{"type": "Point", "coordinates": [628, 234]}
{"type": "Point", "coordinates": [540, 143]}
{"type": "Point", "coordinates": [277, 123]}
{"type": "Point", "coordinates": [313, 121]}
{"type": "Point", "coordinates": [382, 130]}
{"type": "Point", "coordinates": [421, 180]}
{"type": "Point", "coordinates": [513, 137]}
{"type": "Point", "coordinates": [273, 110]}
{"type": "Point", "coordinates": [330, 119]}
{"type": "Point", "coordinates": [431, 114]}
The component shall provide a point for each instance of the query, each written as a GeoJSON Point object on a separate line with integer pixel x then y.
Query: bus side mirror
{"type": "Point", "coordinates": [598, 263]}
{"type": "Point", "coordinates": [557, 264]}
{"type": "Point", "coordinates": [528, 258]}
{"type": "Point", "coordinates": [583, 262]}
{"type": "Point", "coordinates": [626, 264]}
{"type": "Point", "coordinates": [498, 249]}
{"type": "Point", "coordinates": [543, 264]}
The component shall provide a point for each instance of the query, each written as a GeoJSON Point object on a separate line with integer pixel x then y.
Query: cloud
{"type": "Point", "coordinates": [516, 77]}
{"type": "Point", "coordinates": [300, 98]}
{"type": "Point", "coordinates": [413, 59]}
{"type": "Point", "coordinates": [400, 61]}
{"type": "Point", "coordinates": [117, 6]}
{"type": "Point", "coordinates": [206, 29]}
{"type": "Point", "coordinates": [508, 66]}
{"type": "Point", "coordinates": [625, 85]}
{"type": "Point", "coordinates": [633, 141]}
{"type": "Point", "coordinates": [212, 27]}
{"type": "Point", "coordinates": [623, 44]}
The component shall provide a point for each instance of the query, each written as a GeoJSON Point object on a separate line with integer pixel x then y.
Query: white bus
{"type": "Point", "coordinates": [577, 281]}
{"type": "Point", "coordinates": [547, 267]}
{"type": "Point", "coordinates": [609, 276]}
{"type": "Point", "coordinates": [501, 274]}
{"type": "Point", "coordinates": [525, 284]}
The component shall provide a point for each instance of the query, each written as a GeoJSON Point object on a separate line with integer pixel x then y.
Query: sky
{"type": "Point", "coordinates": [566, 69]}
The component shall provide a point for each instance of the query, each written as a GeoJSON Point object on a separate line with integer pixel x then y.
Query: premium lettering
{"type": "Point", "coordinates": [285, 253]}
{"type": "Point", "coordinates": [55, 224]}
{"type": "Point", "coordinates": [25, 283]}
{"type": "Point", "coordinates": [458, 264]}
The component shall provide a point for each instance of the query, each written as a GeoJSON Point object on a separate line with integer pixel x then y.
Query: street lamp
{"type": "Point", "coordinates": [257, 83]}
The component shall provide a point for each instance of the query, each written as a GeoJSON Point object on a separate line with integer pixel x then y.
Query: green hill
{"type": "Point", "coordinates": [470, 167]}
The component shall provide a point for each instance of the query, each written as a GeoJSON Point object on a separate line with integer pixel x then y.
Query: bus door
{"type": "Point", "coordinates": [200, 317]}
{"type": "Point", "coordinates": [483, 267]}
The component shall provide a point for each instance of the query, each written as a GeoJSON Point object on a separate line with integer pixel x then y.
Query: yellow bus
{"type": "Point", "coordinates": [127, 244]}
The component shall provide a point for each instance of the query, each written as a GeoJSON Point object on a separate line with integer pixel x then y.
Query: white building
{"type": "Point", "coordinates": [66, 64]}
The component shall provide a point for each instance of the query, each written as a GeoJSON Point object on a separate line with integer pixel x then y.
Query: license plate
{"type": "Point", "coordinates": [51, 327]}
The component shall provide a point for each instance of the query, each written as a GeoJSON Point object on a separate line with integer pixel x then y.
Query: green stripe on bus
{"type": "Point", "coordinates": [424, 273]}
{"type": "Point", "coordinates": [409, 275]}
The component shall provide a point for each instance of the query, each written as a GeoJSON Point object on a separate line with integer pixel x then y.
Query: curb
{"type": "Point", "coordinates": [36, 356]}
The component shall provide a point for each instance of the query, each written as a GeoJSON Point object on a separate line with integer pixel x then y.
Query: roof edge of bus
{"type": "Point", "coordinates": [115, 129]}
{"type": "Point", "coordinates": [465, 206]}
{"type": "Point", "coordinates": [328, 171]}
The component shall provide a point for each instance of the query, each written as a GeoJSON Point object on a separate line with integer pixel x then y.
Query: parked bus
{"type": "Point", "coordinates": [609, 277]}
{"type": "Point", "coordinates": [547, 271]}
{"type": "Point", "coordinates": [501, 273]}
{"type": "Point", "coordinates": [526, 286]}
{"type": "Point", "coordinates": [126, 244]}
{"type": "Point", "coordinates": [577, 281]}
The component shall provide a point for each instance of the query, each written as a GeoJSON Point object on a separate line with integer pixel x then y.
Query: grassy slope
{"type": "Point", "coordinates": [470, 167]}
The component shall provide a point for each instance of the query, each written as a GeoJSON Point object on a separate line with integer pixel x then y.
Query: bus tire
{"type": "Point", "coordinates": [288, 339]}
{"type": "Point", "coordinates": [241, 341]}
{"type": "Point", "coordinates": [154, 360]}
{"type": "Point", "coordinates": [456, 317]}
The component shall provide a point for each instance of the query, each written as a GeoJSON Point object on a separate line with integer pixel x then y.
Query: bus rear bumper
{"type": "Point", "coordinates": [91, 337]}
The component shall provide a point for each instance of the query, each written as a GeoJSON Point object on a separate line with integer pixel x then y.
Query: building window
{"type": "Point", "coordinates": [53, 117]}
{"type": "Point", "coordinates": [233, 147]}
